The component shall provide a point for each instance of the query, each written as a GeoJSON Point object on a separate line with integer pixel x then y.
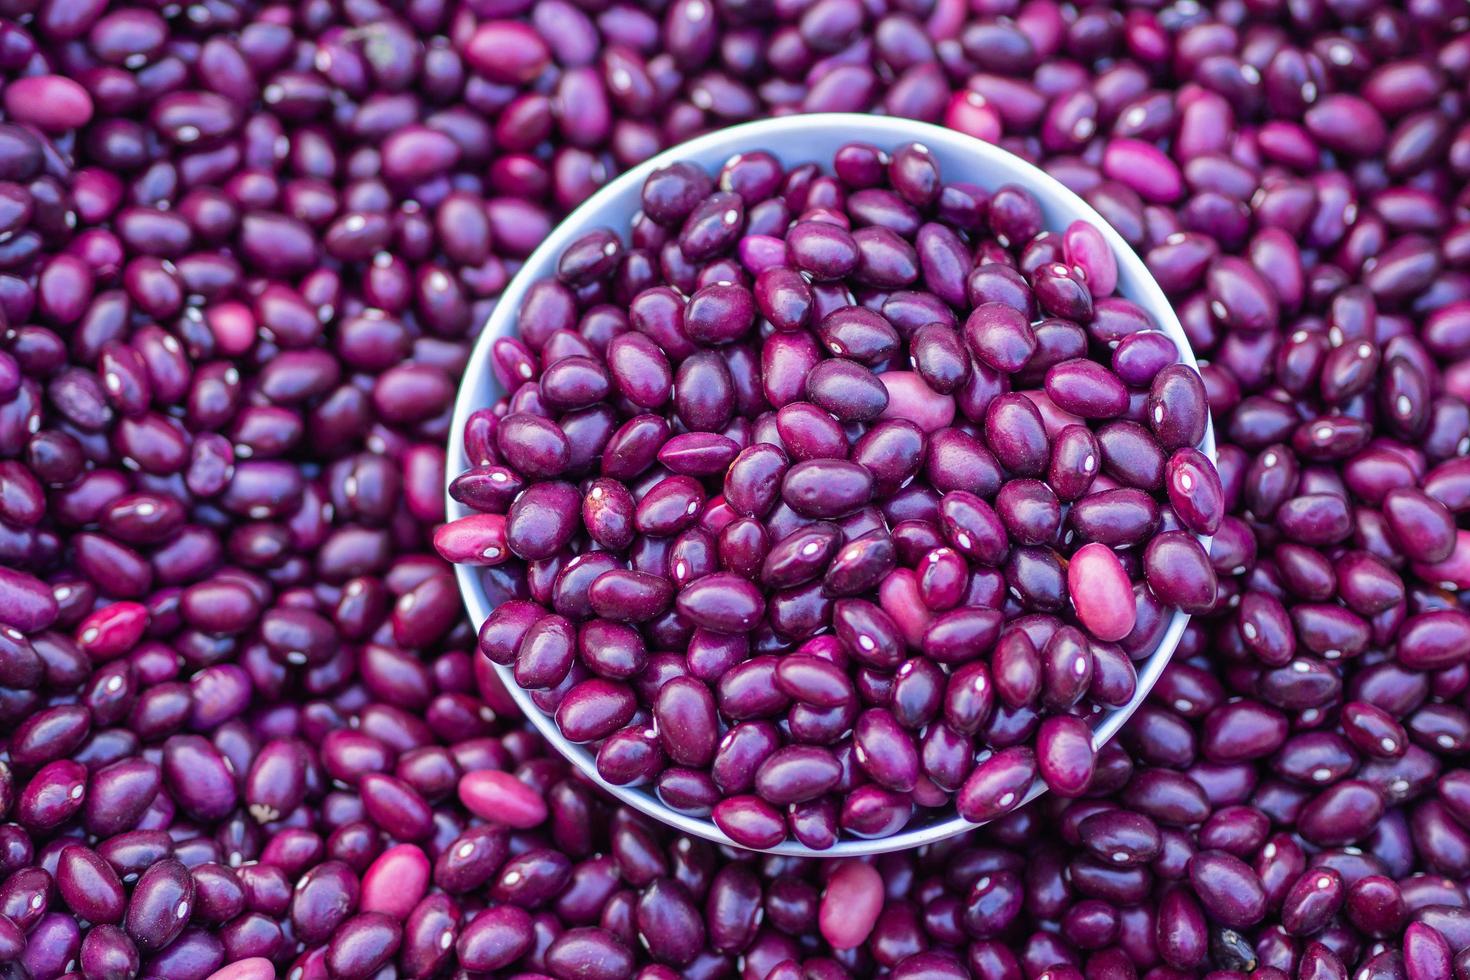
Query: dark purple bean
{"type": "Point", "coordinates": [846, 389]}
{"type": "Point", "coordinates": [90, 886]}
{"type": "Point", "coordinates": [1342, 814]}
{"type": "Point", "coordinates": [885, 752]}
{"type": "Point", "coordinates": [712, 226]}
{"type": "Point", "coordinates": [53, 796]}
{"type": "Point", "coordinates": [1422, 526]}
{"type": "Point", "coordinates": [687, 721]}
{"type": "Point", "coordinates": [495, 938]}
{"type": "Point", "coordinates": [198, 777]}
{"type": "Point", "coordinates": [827, 488]}
{"type": "Point", "coordinates": [1067, 667]}
{"type": "Point", "coordinates": [1179, 573]}
{"type": "Point", "coordinates": [750, 821]}
{"type": "Point", "coordinates": [997, 784]}
{"type": "Point", "coordinates": [1228, 888]}
{"type": "Point", "coordinates": [160, 905]}
{"type": "Point", "coordinates": [629, 596]}
{"type": "Point", "coordinates": [860, 565]}
{"type": "Point", "coordinates": [591, 952]}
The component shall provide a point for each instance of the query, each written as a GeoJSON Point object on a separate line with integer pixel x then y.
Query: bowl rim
{"type": "Point", "coordinates": [812, 138]}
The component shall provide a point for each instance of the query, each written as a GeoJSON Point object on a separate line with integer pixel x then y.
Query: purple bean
{"type": "Point", "coordinates": [219, 603]}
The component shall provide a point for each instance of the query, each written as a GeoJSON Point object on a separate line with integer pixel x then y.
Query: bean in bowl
{"type": "Point", "coordinates": [823, 498]}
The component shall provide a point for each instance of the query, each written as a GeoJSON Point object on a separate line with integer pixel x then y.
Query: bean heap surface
{"type": "Point", "coordinates": [244, 250]}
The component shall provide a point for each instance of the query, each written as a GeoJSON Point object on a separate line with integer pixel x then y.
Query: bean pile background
{"type": "Point", "coordinates": [244, 250]}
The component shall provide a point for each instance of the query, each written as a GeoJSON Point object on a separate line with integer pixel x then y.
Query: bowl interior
{"type": "Point", "coordinates": [796, 140]}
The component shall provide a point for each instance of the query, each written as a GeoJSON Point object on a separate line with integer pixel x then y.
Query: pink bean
{"type": "Point", "coordinates": [969, 113]}
{"type": "Point", "coordinates": [233, 326]}
{"type": "Point", "coordinates": [1084, 246]}
{"type": "Point", "coordinates": [475, 540]}
{"type": "Point", "coordinates": [910, 398]}
{"type": "Point", "coordinates": [394, 883]}
{"type": "Point", "coordinates": [850, 904]}
{"type": "Point", "coordinates": [50, 102]}
{"type": "Point", "coordinates": [1145, 168]}
{"type": "Point", "coordinates": [1101, 592]}
{"type": "Point", "coordinates": [500, 797]}
{"type": "Point", "coordinates": [255, 968]}
{"type": "Point", "coordinates": [112, 630]}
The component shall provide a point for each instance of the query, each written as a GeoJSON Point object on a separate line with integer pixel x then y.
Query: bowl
{"type": "Point", "coordinates": [795, 140]}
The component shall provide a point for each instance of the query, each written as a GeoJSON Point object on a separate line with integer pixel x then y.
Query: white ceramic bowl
{"type": "Point", "coordinates": [796, 140]}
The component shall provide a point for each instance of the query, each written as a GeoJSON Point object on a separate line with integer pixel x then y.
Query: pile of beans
{"type": "Point", "coordinates": [836, 494]}
{"type": "Point", "coordinates": [243, 252]}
